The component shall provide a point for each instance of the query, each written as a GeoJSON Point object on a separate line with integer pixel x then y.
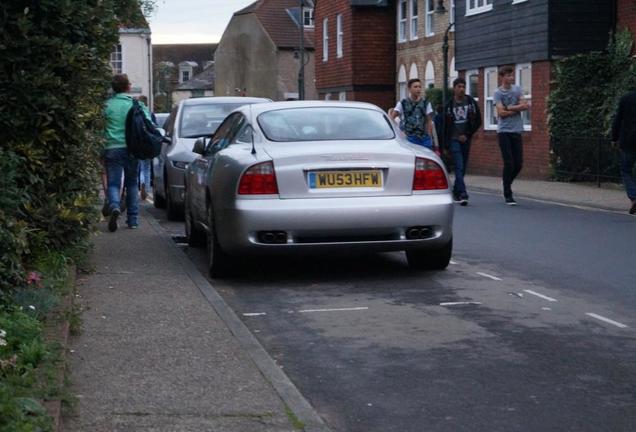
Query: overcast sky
{"type": "Point", "coordinates": [192, 21]}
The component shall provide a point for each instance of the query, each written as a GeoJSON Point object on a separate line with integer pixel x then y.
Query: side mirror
{"type": "Point", "coordinates": [199, 146]}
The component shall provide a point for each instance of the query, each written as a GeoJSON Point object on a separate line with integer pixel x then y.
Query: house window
{"type": "Point", "coordinates": [429, 75]}
{"type": "Point", "coordinates": [185, 76]}
{"type": "Point", "coordinates": [402, 21]}
{"type": "Point", "coordinates": [342, 96]}
{"type": "Point", "coordinates": [523, 78]}
{"type": "Point", "coordinates": [325, 39]}
{"type": "Point", "coordinates": [308, 17]}
{"type": "Point", "coordinates": [478, 6]}
{"type": "Point", "coordinates": [451, 16]}
{"type": "Point", "coordinates": [413, 71]}
{"type": "Point", "coordinates": [327, 96]}
{"type": "Point", "coordinates": [472, 83]}
{"type": "Point", "coordinates": [430, 17]}
{"type": "Point", "coordinates": [339, 35]}
{"type": "Point", "coordinates": [413, 29]}
{"type": "Point", "coordinates": [452, 74]}
{"type": "Point", "coordinates": [490, 85]}
{"type": "Point", "coordinates": [402, 82]}
{"type": "Point", "coordinates": [116, 60]}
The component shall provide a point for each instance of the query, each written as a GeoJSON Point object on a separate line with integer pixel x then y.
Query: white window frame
{"type": "Point", "coordinates": [453, 73]}
{"type": "Point", "coordinates": [342, 96]}
{"type": "Point", "coordinates": [429, 76]}
{"type": "Point", "coordinates": [325, 39]}
{"type": "Point", "coordinates": [401, 16]}
{"type": "Point", "coordinates": [413, 10]}
{"type": "Point", "coordinates": [467, 75]}
{"type": "Point", "coordinates": [327, 96]}
{"type": "Point", "coordinates": [117, 49]}
{"type": "Point", "coordinates": [451, 16]}
{"type": "Point", "coordinates": [518, 1]}
{"type": "Point", "coordinates": [490, 111]}
{"type": "Point", "coordinates": [339, 36]}
{"type": "Point", "coordinates": [474, 7]}
{"type": "Point", "coordinates": [183, 75]}
{"type": "Point", "coordinates": [430, 17]}
{"type": "Point", "coordinates": [308, 13]}
{"type": "Point", "coordinates": [526, 115]}
{"type": "Point", "coordinates": [402, 82]}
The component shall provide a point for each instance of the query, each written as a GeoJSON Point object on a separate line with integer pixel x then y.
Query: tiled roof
{"type": "Point", "coordinates": [201, 81]}
{"type": "Point", "coordinates": [280, 20]}
{"type": "Point", "coordinates": [177, 53]}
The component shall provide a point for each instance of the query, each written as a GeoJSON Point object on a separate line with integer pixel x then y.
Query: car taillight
{"type": "Point", "coordinates": [428, 175]}
{"type": "Point", "coordinates": [259, 179]}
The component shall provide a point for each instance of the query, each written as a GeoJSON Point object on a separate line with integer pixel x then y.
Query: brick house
{"type": "Point", "coordinates": [355, 50]}
{"type": "Point", "coordinates": [258, 54]}
{"type": "Point", "coordinates": [420, 34]}
{"type": "Point", "coordinates": [529, 35]}
{"type": "Point", "coordinates": [626, 16]}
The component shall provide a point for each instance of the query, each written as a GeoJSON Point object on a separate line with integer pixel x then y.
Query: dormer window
{"type": "Point", "coordinates": [185, 70]}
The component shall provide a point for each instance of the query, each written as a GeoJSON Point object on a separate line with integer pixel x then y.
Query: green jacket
{"type": "Point", "coordinates": [115, 111]}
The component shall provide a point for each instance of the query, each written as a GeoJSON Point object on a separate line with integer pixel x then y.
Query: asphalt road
{"type": "Point", "coordinates": [530, 329]}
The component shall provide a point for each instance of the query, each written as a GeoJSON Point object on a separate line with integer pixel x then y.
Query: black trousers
{"type": "Point", "coordinates": [512, 155]}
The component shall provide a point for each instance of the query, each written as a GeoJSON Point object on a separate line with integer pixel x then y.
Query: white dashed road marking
{"type": "Point", "coordinates": [607, 320]}
{"type": "Point", "coordinates": [544, 297]}
{"type": "Point", "coordinates": [333, 310]}
{"type": "Point", "coordinates": [459, 303]}
{"type": "Point", "coordinates": [254, 314]}
{"type": "Point", "coordinates": [486, 275]}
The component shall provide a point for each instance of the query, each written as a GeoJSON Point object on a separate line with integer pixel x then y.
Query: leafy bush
{"type": "Point", "coordinates": [581, 107]}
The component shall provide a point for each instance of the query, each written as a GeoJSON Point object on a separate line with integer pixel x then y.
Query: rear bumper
{"type": "Point", "coordinates": [321, 224]}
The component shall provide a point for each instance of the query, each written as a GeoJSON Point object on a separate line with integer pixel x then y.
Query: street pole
{"type": "Point", "coordinates": [301, 71]}
{"type": "Point", "coordinates": [445, 84]}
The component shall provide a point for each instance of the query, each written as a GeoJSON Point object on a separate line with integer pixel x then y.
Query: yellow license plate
{"type": "Point", "coordinates": [345, 179]}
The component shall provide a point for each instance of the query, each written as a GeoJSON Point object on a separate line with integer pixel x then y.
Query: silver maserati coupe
{"type": "Point", "coordinates": [316, 177]}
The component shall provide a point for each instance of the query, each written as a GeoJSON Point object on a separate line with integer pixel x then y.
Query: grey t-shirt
{"type": "Point", "coordinates": [514, 123]}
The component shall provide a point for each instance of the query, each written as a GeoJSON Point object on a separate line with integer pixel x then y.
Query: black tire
{"type": "Point", "coordinates": [196, 237]}
{"type": "Point", "coordinates": [434, 259]}
{"type": "Point", "coordinates": [159, 201]}
{"type": "Point", "coordinates": [219, 263]}
{"type": "Point", "coordinates": [173, 212]}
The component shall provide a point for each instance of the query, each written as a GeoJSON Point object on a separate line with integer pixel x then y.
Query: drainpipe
{"type": "Point", "coordinates": [150, 89]}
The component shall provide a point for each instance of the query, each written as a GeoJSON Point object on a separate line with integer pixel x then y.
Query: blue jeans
{"type": "Point", "coordinates": [144, 173]}
{"type": "Point", "coordinates": [423, 141]}
{"type": "Point", "coordinates": [628, 160]}
{"type": "Point", "coordinates": [460, 153]}
{"type": "Point", "coordinates": [119, 162]}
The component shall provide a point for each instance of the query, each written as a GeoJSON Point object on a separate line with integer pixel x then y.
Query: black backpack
{"type": "Point", "coordinates": [142, 137]}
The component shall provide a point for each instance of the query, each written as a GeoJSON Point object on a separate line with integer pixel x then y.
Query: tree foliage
{"type": "Point", "coordinates": [54, 75]}
{"type": "Point", "coordinates": [581, 106]}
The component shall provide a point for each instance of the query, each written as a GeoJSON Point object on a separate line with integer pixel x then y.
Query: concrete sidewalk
{"type": "Point", "coordinates": [160, 350]}
{"type": "Point", "coordinates": [608, 197]}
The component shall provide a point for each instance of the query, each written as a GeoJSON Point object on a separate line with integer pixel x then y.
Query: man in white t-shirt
{"type": "Point", "coordinates": [415, 114]}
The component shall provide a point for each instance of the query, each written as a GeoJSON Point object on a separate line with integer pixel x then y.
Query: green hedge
{"type": "Point", "coordinates": [581, 106]}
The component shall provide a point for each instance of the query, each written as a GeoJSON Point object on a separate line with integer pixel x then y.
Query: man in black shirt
{"type": "Point", "coordinates": [463, 119]}
{"type": "Point", "coordinates": [624, 132]}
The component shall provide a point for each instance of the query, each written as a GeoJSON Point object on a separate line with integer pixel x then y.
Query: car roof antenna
{"type": "Point", "coordinates": [252, 133]}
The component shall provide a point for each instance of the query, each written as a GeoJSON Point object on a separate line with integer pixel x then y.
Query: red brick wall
{"type": "Point", "coordinates": [335, 72]}
{"type": "Point", "coordinates": [485, 157]}
{"type": "Point", "coordinates": [626, 15]}
{"type": "Point", "coordinates": [368, 53]}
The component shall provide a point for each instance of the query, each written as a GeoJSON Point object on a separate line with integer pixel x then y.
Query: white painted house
{"type": "Point", "coordinates": [133, 56]}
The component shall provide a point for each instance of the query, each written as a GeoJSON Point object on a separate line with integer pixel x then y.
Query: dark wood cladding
{"type": "Point", "coordinates": [580, 26]}
{"type": "Point", "coordinates": [533, 30]}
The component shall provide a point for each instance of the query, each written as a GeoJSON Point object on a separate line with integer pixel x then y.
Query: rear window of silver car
{"type": "Point", "coordinates": [200, 120]}
{"type": "Point", "coordinates": [325, 124]}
